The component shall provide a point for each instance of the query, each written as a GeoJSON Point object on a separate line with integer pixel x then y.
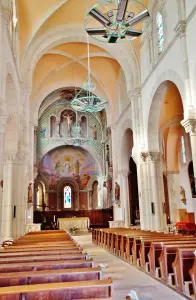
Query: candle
{"type": "Point", "coordinates": [54, 218]}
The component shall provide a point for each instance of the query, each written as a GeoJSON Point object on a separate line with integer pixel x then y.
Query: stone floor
{"type": "Point", "coordinates": [125, 276]}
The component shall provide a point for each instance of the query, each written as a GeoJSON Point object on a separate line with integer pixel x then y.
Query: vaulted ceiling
{"type": "Point", "coordinates": [66, 64]}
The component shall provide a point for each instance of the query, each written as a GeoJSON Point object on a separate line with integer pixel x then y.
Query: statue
{"type": "Point", "coordinates": [117, 192]}
{"type": "Point", "coordinates": [117, 195]}
{"type": "Point", "coordinates": [30, 193]}
{"type": "Point", "coordinates": [183, 195]}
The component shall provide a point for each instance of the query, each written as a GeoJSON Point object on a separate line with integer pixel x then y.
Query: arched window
{"type": "Point", "coordinates": [160, 33]}
{"type": "Point", "coordinates": [67, 197]}
{"type": "Point", "coordinates": [183, 150]}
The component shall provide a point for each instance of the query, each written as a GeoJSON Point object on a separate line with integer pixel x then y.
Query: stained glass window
{"type": "Point", "coordinates": [67, 197]}
{"type": "Point", "coordinates": [160, 33]}
{"type": "Point", "coordinates": [183, 150]}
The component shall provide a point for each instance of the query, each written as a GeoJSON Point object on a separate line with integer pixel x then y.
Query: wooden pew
{"type": "Point", "coordinates": [45, 265]}
{"type": "Point", "coordinates": [192, 273]}
{"type": "Point", "coordinates": [182, 265]}
{"type": "Point", "coordinates": [168, 255]}
{"type": "Point", "coordinates": [18, 259]}
{"type": "Point", "coordinates": [155, 252]}
{"type": "Point", "coordinates": [66, 290]}
{"type": "Point", "coordinates": [50, 276]}
{"type": "Point", "coordinates": [158, 242]}
{"type": "Point", "coordinates": [6, 254]}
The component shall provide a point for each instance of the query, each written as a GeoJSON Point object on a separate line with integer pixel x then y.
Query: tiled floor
{"type": "Point", "coordinates": [125, 276]}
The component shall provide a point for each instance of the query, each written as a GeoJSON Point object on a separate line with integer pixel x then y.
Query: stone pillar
{"type": "Point", "coordinates": [190, 127]}
{"type": "Point", "coordinates": [156, 191]}
{"type": "Point", "coordinates": [124, 197]}
{"type": "Point", "coordinates": [3, 124]}
{"type": "Point", "coordinates": [143, 189]}
{"type": "Point", "coordinates": [10, 175]}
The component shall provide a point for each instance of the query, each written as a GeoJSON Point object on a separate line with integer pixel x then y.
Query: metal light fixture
{"type": "Point", "coordinates": [121, 22]}
{"type": "Point", "coordinates": [89, 102]}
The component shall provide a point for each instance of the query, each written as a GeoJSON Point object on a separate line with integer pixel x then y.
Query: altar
{"type": "Point", "coordinates": [67, 223]}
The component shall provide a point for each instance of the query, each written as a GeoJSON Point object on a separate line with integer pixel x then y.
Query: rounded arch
{"type": "Point", "coordinates": [126, 149]}
{"type": "Point", "coordinates": [56, 36]}
{"type": "Point", "coordinates": [156, 100]}
{"type": "Point", "coordinates": [62, 183]}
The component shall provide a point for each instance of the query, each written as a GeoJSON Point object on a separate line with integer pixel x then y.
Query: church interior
{"type": "Point", "coordinates": [97, 149]}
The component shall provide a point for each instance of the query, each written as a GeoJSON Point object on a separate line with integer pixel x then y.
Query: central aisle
{"type": "Point", "coordinates": [125, 276]}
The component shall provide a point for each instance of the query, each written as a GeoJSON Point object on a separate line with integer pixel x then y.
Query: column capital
{"type": "Point", "coordinates": [153, 156]}
{"type": "Point", "coordinates": [180, 28]}
{"type": "Point", "coordinates": [149, 156]}
{"type": "Point", "coordinates": [189, 126]}
{"type": "Point", "coordinates": [135, 93]}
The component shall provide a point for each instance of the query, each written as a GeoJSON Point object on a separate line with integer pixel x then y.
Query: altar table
{"type": "Point", "coordinates": [67, 223]}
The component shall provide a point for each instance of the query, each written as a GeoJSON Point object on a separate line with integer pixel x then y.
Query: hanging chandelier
{"type": "Point", "coordinates": [88, 102]}
{"type": "Point", "coordinates": [112, 21]}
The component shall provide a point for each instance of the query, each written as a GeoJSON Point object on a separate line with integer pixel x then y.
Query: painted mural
{"type": "Point", "coordinates": [71, 162]}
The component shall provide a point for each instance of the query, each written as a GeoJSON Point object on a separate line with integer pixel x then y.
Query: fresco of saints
{"type": "Point", "coordinates": [84, 181]}
{"type": "Point", "coordinates": [77, 167]}
{"type": "Point", "coordinates": [57, 167]}
{"type": "Point", "coordinates": [67, 167]}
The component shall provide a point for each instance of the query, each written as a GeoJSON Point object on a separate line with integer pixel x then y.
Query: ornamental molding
{"type": "Point", "coordinates": [135, 94]}
{"type": "Point", "coordinates": [149, 156]}
{"type": "Point", "coordinates": [189, 126]}
{"type": "Point", "coordinates": [180, 28]}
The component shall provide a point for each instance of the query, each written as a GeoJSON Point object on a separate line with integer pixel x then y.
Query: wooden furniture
{"type": "Point", "coordinates": [168, 257]}
{"type": "Point", "coordinates": [67, 223]}
{"type": "Point", "coordinates": [49, 276]}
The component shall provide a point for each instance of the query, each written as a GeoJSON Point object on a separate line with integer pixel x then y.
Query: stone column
{"type": "Point", "coordinates": [124, 197]}
{"type": "Point", "coordinates": [3, 125]}
{"type": "Point", "coordinates": [10, 175]}
{"type": "Point", "coordinates": [143, 189]}
{"type": "Point", "coordinates": [156, 191]}
{"type": "Point", "coordinates": [190, 127]}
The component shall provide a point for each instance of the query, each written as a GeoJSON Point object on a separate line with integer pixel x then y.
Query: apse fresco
{"type": "Point", "coordinates": [72, 162]}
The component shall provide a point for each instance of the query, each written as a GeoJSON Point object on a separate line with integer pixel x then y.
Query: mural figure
{"type": "Point", "coordinates": [42, 132]}
{"type": "Point", "coordinates": [117, 191]}
{"type": "Point", "coordinates": [30, 193]}
{"type": "Point", "coordinates": [77, 167]}
{"type": "Point", "coordinates": [83, 126]}
{"type": "Point", "coordinates": [67, 167]}
{"type": "Point", "coordinates": [58, 167]}
{"type": "Point", "coordinates": [52, 126]}
{"type": "Point", "coordinates": [53, 182]}
{"type": "Point", "coordinates": [183, 195]}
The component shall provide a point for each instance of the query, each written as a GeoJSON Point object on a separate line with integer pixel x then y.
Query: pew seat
{"type": "Point", "coordinates": [66, 290]}
{"type": "Point", "coordinates": [6, 254]}
{"type": "Point", "coordinates": [49, 276]}
{"type": "Point", "coordinates": [46, 258]}
{"type": "Point", "coordinates": [46, 265]}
